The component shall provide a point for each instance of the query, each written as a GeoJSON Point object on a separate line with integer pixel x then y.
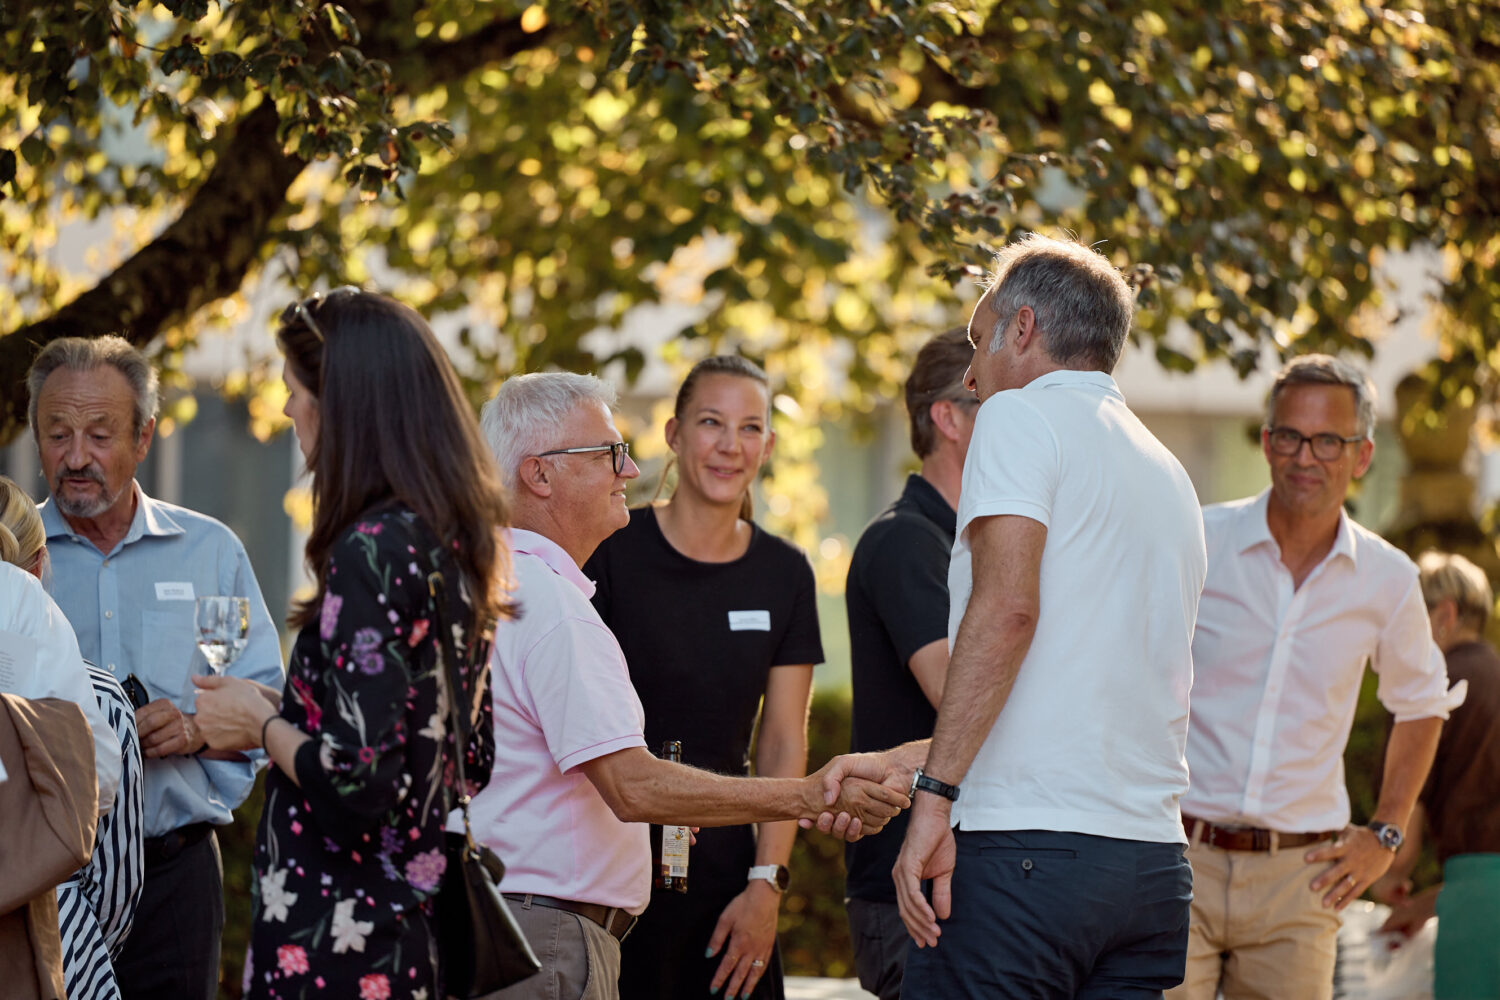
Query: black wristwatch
{"type": "Point", "coordinates": [1389, 835]}
{"type": "Point", "coordinates": [921, 782]}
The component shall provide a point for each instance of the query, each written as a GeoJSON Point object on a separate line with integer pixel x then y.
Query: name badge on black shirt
{"type": "Point", "coordinates": [749, 621]}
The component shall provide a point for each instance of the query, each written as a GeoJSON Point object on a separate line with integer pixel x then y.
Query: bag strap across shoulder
{"type": "Point", "coordinates": [449, 674]}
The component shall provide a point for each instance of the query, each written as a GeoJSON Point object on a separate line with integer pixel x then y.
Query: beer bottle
{"type": "Point", "coordinates": [669, 844]}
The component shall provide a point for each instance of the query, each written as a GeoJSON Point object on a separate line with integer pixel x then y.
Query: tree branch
{"type": "Point", "coordinates": [205, 254]}
{"type": "Point", "coordinates": [435, 62]}
{"type": "Point", "coordinates": [200, 258]}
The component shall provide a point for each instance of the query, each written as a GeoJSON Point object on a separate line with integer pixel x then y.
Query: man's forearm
{"type": "Point", "coordinates": [1408, 758]}
{"type": "Point", "coordinates": [986, 658]}
{"type": "Point", "coordinates": [641, 789]}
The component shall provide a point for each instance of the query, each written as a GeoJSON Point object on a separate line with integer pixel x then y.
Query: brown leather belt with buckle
{"type": "Point", "coordinates": [615, 921]}
{"type": "Point", "coordinates": [1246, 838]}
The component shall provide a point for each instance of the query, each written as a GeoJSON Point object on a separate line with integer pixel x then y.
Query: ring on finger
{"type": "Point", "coordinates": [757, 963]}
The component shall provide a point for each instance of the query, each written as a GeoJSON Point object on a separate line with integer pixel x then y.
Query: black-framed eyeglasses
{"type": "Point", "coordinates": [617, 451]}
{"type": "Point", "coordinates": [1325, 447]}
{"type": "Point", "coordinates": [302, 309]}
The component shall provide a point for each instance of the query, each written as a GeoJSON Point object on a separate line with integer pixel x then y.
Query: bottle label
{"type": "Point", "coordinates": [674, 851]}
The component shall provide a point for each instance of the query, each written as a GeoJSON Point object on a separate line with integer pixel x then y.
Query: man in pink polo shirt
{"type": "Point", "coordinates": [574, 785]}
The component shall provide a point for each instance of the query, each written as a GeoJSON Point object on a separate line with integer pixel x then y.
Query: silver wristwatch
{"type": "Point", "coordinates": [1389, 835]}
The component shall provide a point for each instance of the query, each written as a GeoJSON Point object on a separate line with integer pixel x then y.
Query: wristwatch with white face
{"type": "Point", "coordinates": [777, 875]}
{"type": "Point", "coordinates": [1389, 835]}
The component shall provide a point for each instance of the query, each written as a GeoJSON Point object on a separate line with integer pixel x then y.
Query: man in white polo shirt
{"type": "Point", "coordinates": [1046, 811]}
{"type": "Point", "coordinates": [573, 786]}
{"type": "Point", "coordinates": [1299, 597]}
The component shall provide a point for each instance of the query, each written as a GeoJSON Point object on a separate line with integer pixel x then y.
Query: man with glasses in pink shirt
{"type": "Point", "coordinates": [574, 786]}
{"type": "Point", "coordinates": [1298, 598]}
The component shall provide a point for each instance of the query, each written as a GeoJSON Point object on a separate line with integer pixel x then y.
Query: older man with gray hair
{"type": "Point", "coordinates": [125, 570]}
{"type": "Point", "coordinates": [1299, 598]}
{"type": "Point", "coordinates": [574, 786]}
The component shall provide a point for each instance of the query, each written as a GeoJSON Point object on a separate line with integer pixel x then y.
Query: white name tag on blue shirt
{"type": "Point", "coordinates": [175, 591]}
{"type": "Point", "coordinates": [749, 621]}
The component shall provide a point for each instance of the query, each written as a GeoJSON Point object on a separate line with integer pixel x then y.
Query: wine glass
{"type": "Point", "coordinates": [223, 623]}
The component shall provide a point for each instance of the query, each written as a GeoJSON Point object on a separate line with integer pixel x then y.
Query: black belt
{"type": "Point", "coordinates": [615, 921]}
{"type": "Point", "coordinates": [1247, 838]}
{"type": "Point", "coordinates": [160, 850]}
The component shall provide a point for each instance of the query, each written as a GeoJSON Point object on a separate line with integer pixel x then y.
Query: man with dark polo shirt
{"type": "Point", "coordinates": [897, 596]}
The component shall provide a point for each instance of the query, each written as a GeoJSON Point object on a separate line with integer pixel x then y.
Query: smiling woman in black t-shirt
{"type": "Point", "coordinates": [713, 614]}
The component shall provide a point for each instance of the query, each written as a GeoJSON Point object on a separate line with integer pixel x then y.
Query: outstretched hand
{"type": "Point", "coordinates": [855, 805]}
{"type": "Point", "coordinates": [892, 769]}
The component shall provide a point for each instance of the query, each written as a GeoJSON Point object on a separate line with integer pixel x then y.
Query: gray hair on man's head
{"type": "Point", "coordinates": [83, 354]}
{"type": "Point", "coordinates": [1325, 369]}
{"type": "Point", "coordinates": [1082, 304]}
{"type": "Point", "coordinates": [524, 417]}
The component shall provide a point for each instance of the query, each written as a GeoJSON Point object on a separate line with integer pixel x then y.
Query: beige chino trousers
{"type": "Point", "coordinates": [1258, 932]}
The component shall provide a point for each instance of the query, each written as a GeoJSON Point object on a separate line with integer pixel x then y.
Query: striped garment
{"type": "Point", "coordinates": [95, 907]}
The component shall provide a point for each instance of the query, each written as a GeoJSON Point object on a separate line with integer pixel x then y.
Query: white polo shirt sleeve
{"type": "Point", "coordinates": [1413, 673]}
{"type": "Point", "coordinates": [1013, 463]}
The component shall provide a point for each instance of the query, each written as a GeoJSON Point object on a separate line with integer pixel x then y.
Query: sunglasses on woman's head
{"type": "Point", "coordinates": [302, 309]}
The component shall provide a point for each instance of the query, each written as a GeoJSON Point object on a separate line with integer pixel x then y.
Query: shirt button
{"type": "Point", "coordinates": [109, 614]}
{"type": "Point", "coordinates": [110, 667]}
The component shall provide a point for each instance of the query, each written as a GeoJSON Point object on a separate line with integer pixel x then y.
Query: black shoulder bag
{"type": "Point", "coordinates": [481, 946]}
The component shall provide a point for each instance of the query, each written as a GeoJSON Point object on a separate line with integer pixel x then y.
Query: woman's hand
{"type": "Point", "coordinates": [748, 923]}
{"type": "Point", "coordinates": [231, 711]}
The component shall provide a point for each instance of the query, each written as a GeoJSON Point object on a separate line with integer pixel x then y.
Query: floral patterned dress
{"type": "Point", "coordinates": [346, 866]}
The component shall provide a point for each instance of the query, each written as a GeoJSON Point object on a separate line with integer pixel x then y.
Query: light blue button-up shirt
{"type": "Point", "coordinates": [132, 609]}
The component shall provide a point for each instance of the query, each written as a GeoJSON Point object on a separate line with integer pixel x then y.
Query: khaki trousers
{"type": "Point", "coordinates": [580, 960]}
{"type": "Point", "coordinates": [1258, 932]}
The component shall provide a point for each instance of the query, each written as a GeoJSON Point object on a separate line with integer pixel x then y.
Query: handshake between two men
{"type": "Point", "coordinates": [851, 796]}
{"type": "Point", "coordinates": [862, 792]}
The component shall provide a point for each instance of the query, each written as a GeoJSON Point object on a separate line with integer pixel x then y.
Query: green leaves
{"type": "Point", "coordinates": [816, 178]}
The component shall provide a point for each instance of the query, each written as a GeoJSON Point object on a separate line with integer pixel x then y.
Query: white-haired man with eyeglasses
{"type": "Point", "coordinates": [1298, 598]}
{"type": "Point", "coordinates": [574, 787]}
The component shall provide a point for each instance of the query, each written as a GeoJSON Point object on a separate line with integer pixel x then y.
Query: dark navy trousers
{"type": "Point", "coordinates": [1038, 914]}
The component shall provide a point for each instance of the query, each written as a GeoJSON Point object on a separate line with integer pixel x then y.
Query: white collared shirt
{"type": "Point", "coordinates": [1277, 670]}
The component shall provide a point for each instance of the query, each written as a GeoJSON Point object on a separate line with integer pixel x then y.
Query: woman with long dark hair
{"type": "Point", "coordinates": [718, 621]}
{"type": "Point", "coordinates": [350, 848]}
